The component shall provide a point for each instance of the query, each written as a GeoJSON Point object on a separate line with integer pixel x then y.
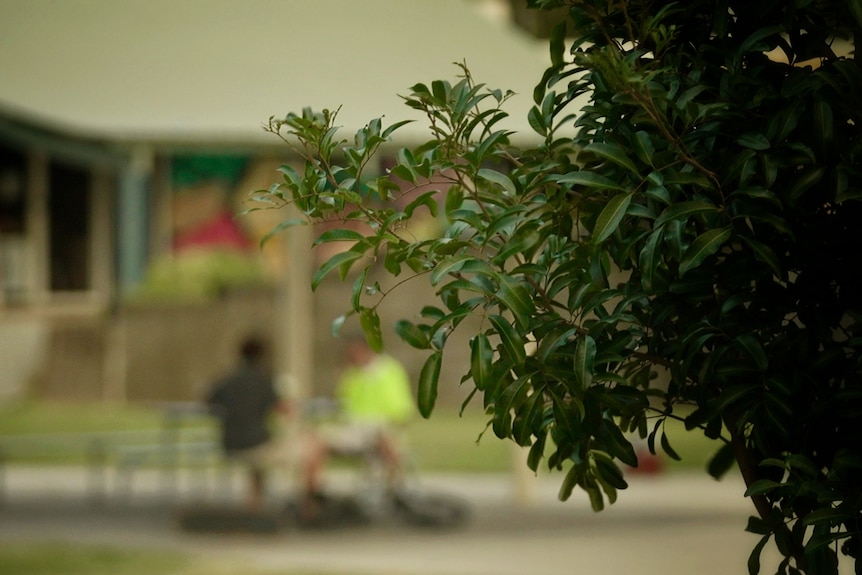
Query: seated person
{"type": "Point", "coordinates": [244, 400]}
{"type": "Point", "coordinates": [374, 399]}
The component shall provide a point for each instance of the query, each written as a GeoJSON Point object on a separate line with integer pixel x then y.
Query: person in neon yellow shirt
{"type": "Point", "coordinates": [375, 400]}
{"type": "Point", "coordinates": [374, 388]}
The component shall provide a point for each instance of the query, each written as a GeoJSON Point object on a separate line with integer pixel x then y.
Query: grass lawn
{"type": "Point", "coordinates": [67, 559]}
{"type": "Point", "coordinates": [445, 442]}
{"type": "Point", "coordinates": [59, 432]}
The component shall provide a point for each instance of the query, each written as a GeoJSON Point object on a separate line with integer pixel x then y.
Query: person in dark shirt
{"type": "Point", "coordinates": [244, 400]}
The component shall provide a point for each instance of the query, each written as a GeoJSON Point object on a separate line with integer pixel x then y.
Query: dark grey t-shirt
{"type": "Point", "coordinates": [243, 401]}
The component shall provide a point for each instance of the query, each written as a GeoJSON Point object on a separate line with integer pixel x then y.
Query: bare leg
{"type": "Point", "coordinates": [257, 489]}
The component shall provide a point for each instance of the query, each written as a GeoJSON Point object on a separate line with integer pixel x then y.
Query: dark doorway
{"type": "Point", "coordinates": [69, 222]}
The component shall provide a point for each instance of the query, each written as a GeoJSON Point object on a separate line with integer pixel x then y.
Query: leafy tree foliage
{"type": "Point", "coordinates": [682, 247]}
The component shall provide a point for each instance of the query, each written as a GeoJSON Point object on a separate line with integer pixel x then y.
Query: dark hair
{"type": "Point", "coordinates": [252, 349]}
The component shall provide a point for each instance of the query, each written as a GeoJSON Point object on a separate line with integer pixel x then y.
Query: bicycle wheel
{"type": "Point", "coordinates": [431, 509]}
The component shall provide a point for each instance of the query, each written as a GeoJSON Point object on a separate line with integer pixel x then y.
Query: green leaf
{"type": "Point", "coordinates": [412, 334]}
{"type": "Point", "coordinates": [702, 247]}
{"type": "Point", "coordinates": [283, 225]}
{"type": "Point", "coordinates": [558, 44]}
{"type": "Point", "coordinates": [597, 502]}
{"type": "Point", "coordinates": [428, 199]}
{"type": "Point", "coordinates": [684, 210]}
{"type": "Point", "coordinates": [428, 381]}
{"type": "Point", "coordinates": [614, 153]}
{"type": "Point", "coordinates": [856, 9]}
{"type": "Point", "coordinates": [805, 181]}
{"type": "Point", "coordinates": [608, 469]}
{"type": "Point", "coordinates": [370, 322]}
{"type": "Point", "coordinates": [338, 235]}
{"type": "Point", "coordinates": [754, 558]}
{"type": "Point", "coordinates": [721, 461]}
{"type": "Point", "coordinates": [617, 445]}
{"type": "Point", "coordinates": [751, 347]}
{"type": "Point", "coordinates": [665, 445]}
{"type": "Point", "coordinates": [828, 515]}
{"type": "Point", "coordinates": [553, 341]}
{"type": "Point", "coordinates": [761, 486]}
{"type": "Point", "coordinates": [764, 254]}
{"type": "Point", "coordinates": [517, 298]}
{"type": "Point", "coordinates": [481, 357]}
{"type": "Point", "coordinates": [336, 261]}
{"type": "Point", "coordinates": [824, 126]}
{"type": "Point", "coordinates": [513, 341]}
{"type": "Point", "coordinates": [537, 452]}
{"type": "Point", "coordinates": [589, 180]}
{"type": "Point", "coordinates": [585, 355]}
{"type": "Point", "coordinates": [758, 526]}
{"type": "Point", "coordinates": [820, 540]}
{"type": "Point", "coordinates": [753, 141]}
{"type": "Point", "coordinates": [448, 266]}
{"type": "Point", "coordinates": [498, 178]}
{"type": "Point", "coordinates": [643, 147]}
{"type": "Point", "coordinates": [649, 260]}
{"type": "Point", "coordinates": [572, 478]}
{"type": "Point", "coordinates": [610, 217]}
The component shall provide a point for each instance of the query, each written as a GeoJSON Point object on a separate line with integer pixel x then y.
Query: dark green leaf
{"type": "Point", "coordinates": [585, 355]}
{"type": "Point", "coordinates": [428, 199]}
{"type": "Point", "coordinates": [758, 526]}
{"type": "Point", "coordinates": [643, 147]}
{"type": "Point", "coordinates": [612, 152]}
{"type": "Point", "coordinates": [649, 260]}
{"type": "Point", "coordinates": [702, 247]}
{"type": "Point", "coordinates": [558, 44]}
{"type": "Point", "coordinates": [572, 478]}
{"type": "Point", "coordinates": [761, 486]}
{"type": "Point", "coordinates": [338, 235]}
{"type": "Point", "coordinates": [513, 341]}
{"type": "Point", "coordinates": [516, 297]}
{"type": "Point", "coordinates": [684, 210]}
{"type": "Point", "coordinates": [589, 180]}
{"type": "Point", "coordinates": [412, 334]}
{"type": "Point", "coordinates": [610, 217]}
{"type": "Point", "coordinates": [335, 262]}
{"type": "Point", "coordinates": [764, 254]}
{"type": "Point", "coordinates": [749, 344]}
{"type": "Point", "coordinates": [448, 266]}
{"type": "Point", "coordinates": [615, 442]}
{"type": "Point", "coordinates": [428, 381]}
{"type": "Point", "coordinates": [537, 452]}
{"type": "Point", "coordinates": [370, 322]}
{"type": "Point", "coordinates": [827, 515]}
{"type": "Point", "coordinates": [721, 461]}
{"type": "Point", "coordinates": [753, 141]}
{"type": "Point", "coordinates": [481, 356]}
{"type": "Point", "coordinates": [665, 445]}
{"type": "Point", "coordinates": [498, 178]}
{"type": "Point", "coordinates": [754, 558]}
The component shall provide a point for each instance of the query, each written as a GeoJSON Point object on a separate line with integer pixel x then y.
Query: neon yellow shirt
{"type": "Point", "coordinates": [378, 392]}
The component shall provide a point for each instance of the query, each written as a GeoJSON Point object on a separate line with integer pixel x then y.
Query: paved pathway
{"type": "Point", "coordinates": [668, 525]}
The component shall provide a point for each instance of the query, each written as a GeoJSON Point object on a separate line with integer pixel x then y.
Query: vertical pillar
{"type": "Point", "coordinates": [295, 318]}
{"type": "Point", "coordinates": [162, 205]}
{"type": "Point", "coordinates": [39, 256]}
{"type": "Point", "coordinates": [101, 239]}
{"type": "Point", "coordinates": [133, 219]}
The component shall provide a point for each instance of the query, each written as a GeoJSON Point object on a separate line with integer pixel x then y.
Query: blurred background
{"type": "Point", "coordinates": [131, 138]}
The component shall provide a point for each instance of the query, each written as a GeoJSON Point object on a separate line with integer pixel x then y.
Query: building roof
{"type": "Point", "coordinates": [192, 71]}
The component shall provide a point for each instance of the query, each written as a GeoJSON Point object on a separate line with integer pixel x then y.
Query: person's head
{"type": "Point", "coordinates": [358, 351]}
{"type": "Point", "coordinates": [252, 350]}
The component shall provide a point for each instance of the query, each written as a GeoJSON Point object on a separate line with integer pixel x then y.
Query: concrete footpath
{"type": "Point", "coordinates": [667, 524]}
